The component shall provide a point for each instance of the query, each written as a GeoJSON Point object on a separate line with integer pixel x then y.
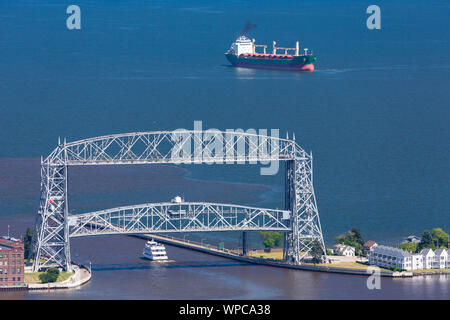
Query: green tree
{"type": "Point", "coordinates": [27, 242]}
{"type": "Point", "coordinates": [316, 252]}
{"type": "Point", "coordinates": [50, 276]}
{"type": "Point", "coordinates": [264, 235]}
{"type": "Point", "coordinates": [271, 239]}
{"type": "Point", "coordinates": [340, 238]}
{"type": "Point", "coordinates": [440, 237]}
{"type": "Point", "coordinates": [351, 238]}
{"type": "Point", "coordinates": [426, 241]}
{"type": "Point", "coordinates": [278, 238]}
{"type": "Point", "coordinates": [355, 235]}
{"type": "Point", "coordinates": [269, 243]}
{"type": "Point", "coordinates": [409, 246]}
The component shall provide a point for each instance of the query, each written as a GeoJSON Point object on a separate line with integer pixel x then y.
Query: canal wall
{"type": "Point", "coordinates": [81, 276]}
{"type": "Point", "coordinates": [273, 263]}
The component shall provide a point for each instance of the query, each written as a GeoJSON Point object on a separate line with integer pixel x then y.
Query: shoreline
{"type": "Point", "coordinates": [81, 276]}
{"type": "Point", "coordinates": [272, 263]}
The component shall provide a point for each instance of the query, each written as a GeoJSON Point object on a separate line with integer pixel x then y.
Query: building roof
{"type": "Point", "coordinates": [426, 251]}
{"type": "Point", "coordinates": [440, 251]}
{"type": "Point", "coordinates": [342, 247]}
{"type": "Point", "coordinates": [391, 251]}
{"type": "Point", "coordinates": [10, 238]}
{"type": "Point", "coordinates": [369, 243]}
{"type": "Point", "coordinates": [412, 238]}
{"type": "Point", "coordinates": [10, 243]}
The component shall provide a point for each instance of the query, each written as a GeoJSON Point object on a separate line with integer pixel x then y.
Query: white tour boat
{"type": "Point", "coordinates": [154, 251]}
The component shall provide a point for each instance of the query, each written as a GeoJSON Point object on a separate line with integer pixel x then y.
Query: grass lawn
{"type": "Point", "coordinates": [348, 265]}
{"type": "Point", "coordinates": [25, 261]}
{"type": "Point", "coordinates": [429, 270]}
{"type": "Point", "coordinates": [278, 255]}
{"type": "Point", "coordinates": [34, 277]}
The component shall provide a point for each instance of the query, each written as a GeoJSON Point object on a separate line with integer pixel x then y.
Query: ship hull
{"type": "Point", "coordinates": [298, 63]}
{"type": "Point", "coordinates": [154, 258]}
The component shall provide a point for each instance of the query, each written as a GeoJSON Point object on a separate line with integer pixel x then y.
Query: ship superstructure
{"type": "Point", "coordinates": [154, 251]}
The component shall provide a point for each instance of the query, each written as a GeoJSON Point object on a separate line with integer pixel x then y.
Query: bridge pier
{"type": "Point", "coordinates": [244, 243]}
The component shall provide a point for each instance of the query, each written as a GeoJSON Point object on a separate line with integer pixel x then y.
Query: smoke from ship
{"type": "Point", "coordinates": [247, 28]}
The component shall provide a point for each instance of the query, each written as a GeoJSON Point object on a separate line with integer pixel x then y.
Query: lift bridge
{"type": "Point", "coordinates": [299, 220]}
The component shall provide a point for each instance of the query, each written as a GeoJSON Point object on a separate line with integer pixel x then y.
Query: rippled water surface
{"type": "Point", "coordinates": [374, 113]}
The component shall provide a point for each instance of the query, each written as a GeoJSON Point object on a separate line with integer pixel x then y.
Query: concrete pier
{"type": "Point", "coordinates": [81, 276]}
{"type": "Point", "coordinates": [274, 263]}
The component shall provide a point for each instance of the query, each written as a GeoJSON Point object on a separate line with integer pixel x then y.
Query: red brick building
{"type": "Point", "coordinates": [11, 262]}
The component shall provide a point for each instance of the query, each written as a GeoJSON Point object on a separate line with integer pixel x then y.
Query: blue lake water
{"type": "Point", "coordinates": [375, 113]}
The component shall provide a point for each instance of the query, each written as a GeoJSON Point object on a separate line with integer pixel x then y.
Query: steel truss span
{"type": "Point", "coordinates": [177, 217]}
{"type": "Point", "coordinates": [54, 225]}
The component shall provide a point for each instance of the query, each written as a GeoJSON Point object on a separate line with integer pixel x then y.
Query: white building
{"type": "Point", "coordinates": [344, 250]}
{"type": "Point", "coordinates": [448, 258]}
{"type": "Point", "coordinates": [428, 258]}
{"type": "Point", "coordinates": [386, 257]}
{"type": "Point", "coordinates": [390, 257]}
{"type": "Point", "coordinates": [440, 259]}
{"type": "Point", "coordinates": [416, 261]}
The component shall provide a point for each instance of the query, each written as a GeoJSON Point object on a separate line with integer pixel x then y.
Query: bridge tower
{"type": "Point", "coordinates": [51, 236]}
{"type": "Point", "coordinates": [301, 201]}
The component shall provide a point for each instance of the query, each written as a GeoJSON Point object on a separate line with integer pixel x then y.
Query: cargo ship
{"type": "Point", "coordinates": [243, 54]}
